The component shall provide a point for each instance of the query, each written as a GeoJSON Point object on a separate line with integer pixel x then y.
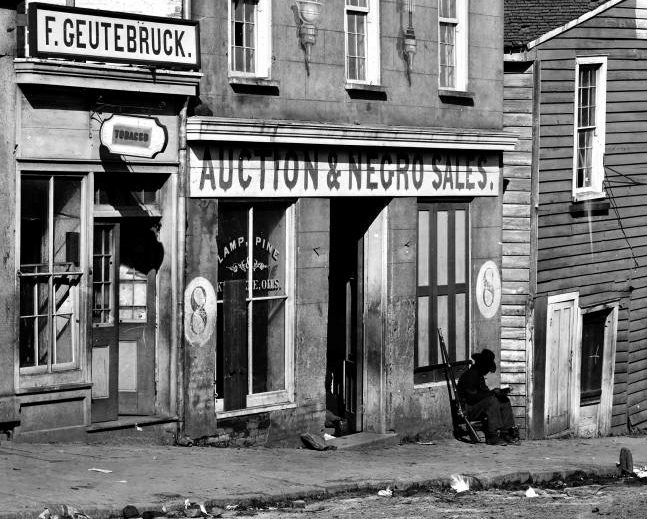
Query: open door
{"type": "Point", "coordinates": [105, 322]}
{"type": "Point", "coordinates": [139, 261]}
{"type": "Point", "coordinates": [561, 401]}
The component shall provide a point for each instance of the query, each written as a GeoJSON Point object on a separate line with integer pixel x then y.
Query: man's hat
{"type": "Point", "coordinates": [485, 360]}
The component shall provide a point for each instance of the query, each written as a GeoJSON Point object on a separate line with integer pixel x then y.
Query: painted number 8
{"type": "Point", "coordinates": [198, 313]}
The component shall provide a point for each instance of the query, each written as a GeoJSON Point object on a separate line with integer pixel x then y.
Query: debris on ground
{"type": "Point", "coordinates": [327, 436]}
{"type": "Point", "coordinates": [531, 492]}
{"type": "Point", "coordinates": [130, 512]}
{"type": "Point", "coordinates": [426, 443]}
{"type": "Point", "coordinates": [459, 483]}
{"type": "Point", "coordinates": [387, 492]}
{"type": "Point", "coordinates": [103, 471]}
{"type": "Point", "coordinates": [626, 461]}
{"type": "Point", "coordinates": [62, 512]}
{"type": "Point", "coordinates": [316, 442]}
{"type": "Point", "coordinates": [185, 441]}
{"type": "Point", "coordinates": [299, 503]}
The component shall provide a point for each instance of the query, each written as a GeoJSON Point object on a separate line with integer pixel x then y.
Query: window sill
{"type": "Point", "coordinates": [428, 385]}
{"type": "Point", "coordinates": [589, 195]}
{"type": "Point", "coordinates": [462, 97]}
{"type": "Point", "coordinates": [254, 85]}
{"type": "Point", "coordinates": [55, 388]}
{"type": "Point", "coordinates": [366, 91]}
{"type": "Point", "coordinates": [255, 410]}
{"type": "Point", "coordinates": [593, 206]}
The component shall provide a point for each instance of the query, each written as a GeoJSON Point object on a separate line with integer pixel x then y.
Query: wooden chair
{"type": "Point", "coordinates": [464, 429]}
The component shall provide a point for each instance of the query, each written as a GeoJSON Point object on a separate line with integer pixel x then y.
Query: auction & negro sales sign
{"type": "Point", "coordinates": [258, 171]}
{"type": "Point", "coordinates": [70, 32]}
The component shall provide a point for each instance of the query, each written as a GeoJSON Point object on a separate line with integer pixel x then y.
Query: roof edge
{"type": "Point", "coordinates": [573, 23]}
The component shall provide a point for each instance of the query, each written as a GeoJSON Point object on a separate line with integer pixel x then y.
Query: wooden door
{"type": "Point", "coordinates": [560, 364]}
{"type": "Point", "coordinates": [105, 322]}
{"type": "Point", "coordinates": [353, 367]}
{"type": "Point", "coordinates": [138, 265]}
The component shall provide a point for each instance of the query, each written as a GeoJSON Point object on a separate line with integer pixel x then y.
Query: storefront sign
{"type": "Point", "coordinates": [199, 311]}
{"type": "Point", "coordinates": [135, 136]}
{"type": "Point", "coordinates": [70, 32]}
{"type": "Point", "coordinates": [488, 289]}
{"type": "Point", "coordinates": [257, 171]}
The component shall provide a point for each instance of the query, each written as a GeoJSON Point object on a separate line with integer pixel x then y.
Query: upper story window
{"type": "Point", "coordinates": [250, 42]}
{"type": "Point", "coordinates": [452, 44]}
{"type": "Point", "coordinates": [362, 41]}
{"type": "Point", "coordinates": [589, 131]}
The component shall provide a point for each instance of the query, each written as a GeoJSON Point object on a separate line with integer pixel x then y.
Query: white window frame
{"type": "Point", "coordinates": [283, 398]}
{"type": "Point", "coordinates": [462, 43]}
{"type": "Point", "coordinates": [262, 41]}
{"type": "Point", "coordinates": [371, 40]}
{"type": "Point", "coordinates": [595, 190]}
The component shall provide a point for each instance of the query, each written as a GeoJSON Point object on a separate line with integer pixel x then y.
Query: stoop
{"type": "Point", "coordinates": [364, 440]}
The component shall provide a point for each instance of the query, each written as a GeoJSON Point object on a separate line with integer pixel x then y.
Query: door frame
{"type": "Point", "coordinates": [608, 364]}
{"type": "Point", "coordinates": [574, 360]}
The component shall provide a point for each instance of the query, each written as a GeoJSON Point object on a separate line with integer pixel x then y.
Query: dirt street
{"type": "Point", "coordinates": [614, 500]}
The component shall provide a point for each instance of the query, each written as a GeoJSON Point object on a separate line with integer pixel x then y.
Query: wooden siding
{"type": "Point", "coordinates": [603, 256]}
{"type": "Point", "coordinates": [516, 236]}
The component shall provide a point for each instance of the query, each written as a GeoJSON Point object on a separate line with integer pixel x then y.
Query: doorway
{"type": "Point", "coordinates": [345, 380]}
{"type": "Point", "coordinates": [126, 259]}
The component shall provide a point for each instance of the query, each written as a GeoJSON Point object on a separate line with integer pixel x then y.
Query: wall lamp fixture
{"type": "Point", "coordinates": [410, 43]}
{"type": "Point", "coordinates": [309, 12]}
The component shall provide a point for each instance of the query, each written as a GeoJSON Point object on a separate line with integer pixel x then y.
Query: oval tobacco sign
{"type": "Point", "coordinates": [134, 136]}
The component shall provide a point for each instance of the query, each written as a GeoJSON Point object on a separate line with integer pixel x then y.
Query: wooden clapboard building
{"type": "Point", "coordinates": [574, 234]}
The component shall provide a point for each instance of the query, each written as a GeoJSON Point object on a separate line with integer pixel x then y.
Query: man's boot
{"type": "Point", "coordinates": [493, 438]}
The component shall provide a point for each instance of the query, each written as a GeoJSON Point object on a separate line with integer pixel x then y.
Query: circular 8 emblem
{"type": "Point", "coordinates": [488, 289]}
{"type": "Point", "coordinates": [199, 311]}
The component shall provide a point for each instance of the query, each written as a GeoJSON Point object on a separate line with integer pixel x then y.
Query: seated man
{"type": "Point", "coordinates": [482, 402]}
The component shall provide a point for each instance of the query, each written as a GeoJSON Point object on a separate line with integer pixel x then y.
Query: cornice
{"type": "Point", "coordinates": [105, 77]}
{"type": "Point", "coordinates": [298, 132]}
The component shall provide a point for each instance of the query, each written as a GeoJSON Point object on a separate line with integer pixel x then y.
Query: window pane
{"type": "Point", "coordinates": [34, 200]}
{"type": "Point", "coordinates": [461, 318]}
{"type": "Point", "coordinates": [268, 349]}
{"type": "Point", "coordinates": [460, 244]}
{"type": "Point", "coordinates": [442, 226]}
{"type": "Point", "coordinates": [447, 9]}
{"type": "Point", "coordinates": [66, 331]}
{"type": "Point", "coordinates": [232, 243]}
{"type": "Point", "coordinates": [447, 55]}
{"type": "Point", "coordinates": [423, 332]}
{"type": "Point", "coordinates": [34, 321]}
{"type": "Point", "coordinates": [67, 224]}
{"type": "Point", "coordinates": [423, 248]}
{"type": "Point", "coordinates": [269, 251]}
{"type": "Point", "coordinates": [243, 37]}
{"type": "Point", "coordinates": [442, 316]}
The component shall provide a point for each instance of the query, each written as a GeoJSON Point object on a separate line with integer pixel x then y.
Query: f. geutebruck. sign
{"type": "Point", "coordinates": [70, 32]}
{"type": "Point", "coordinates": [259, 171]}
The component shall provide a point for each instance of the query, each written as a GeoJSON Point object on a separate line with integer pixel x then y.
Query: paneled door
{"type": "Point", "coordinates": [105, 322]}
{"type": "Point", "coordinates": [562, 330]}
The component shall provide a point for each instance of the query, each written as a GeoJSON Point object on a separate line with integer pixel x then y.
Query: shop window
{"type": "Point", "coordinates": [254, 301]}
{"type": "Point", "coordinates": [362, 42]}
{"type": "Point", "coordinates": [50, 272]}
{"type": "Point", "coordinates": [590, 122]}
{"type": "Point", "coordinates": [250, 38]}
{"type": "Point", "coordinates": [452, 44]}
{"type": "Point", "coordinates": [443, 268]}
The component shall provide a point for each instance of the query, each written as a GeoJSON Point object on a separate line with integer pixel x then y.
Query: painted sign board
{"type": "Point", "coordinates": [488, 289]}
{"type": "Point", "coordinates": [90, 34]}
{"type": "Point", "coordinates": [135, 136]}
{"type": "Point", "coordinates": [199, 311]}
{"type": "Point", "coordinates": [218, 170]}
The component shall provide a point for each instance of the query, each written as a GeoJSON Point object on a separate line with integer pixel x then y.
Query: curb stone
{"type": "Point", "coordinates": [482, 482]}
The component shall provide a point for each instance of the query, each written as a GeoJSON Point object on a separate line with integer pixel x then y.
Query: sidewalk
{"type": "Point", "coordinates": [34, 475]}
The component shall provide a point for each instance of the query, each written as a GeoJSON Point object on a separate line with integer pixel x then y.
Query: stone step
{"type": "Point", "coordinates": [364, 440]}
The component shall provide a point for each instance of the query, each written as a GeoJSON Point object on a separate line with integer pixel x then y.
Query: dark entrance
{"type": "Point", "coordinates": [126, 258]}
{"type": "Point", "coordinates": [349, 222]}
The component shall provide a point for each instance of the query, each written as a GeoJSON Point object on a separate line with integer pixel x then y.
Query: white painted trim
{"type": "Point", "coordinates": [462, 47]}
{"type": "Point", "coordinates": [371, 43]}
{"type": "Point", "coordinates": [262, 42]}
{"type": "Point", "coordinates": [254, 410]}
{"type": "Point", "coordinates": [596, 190]}
{"type": "Point", "coordinates": [300, 132]}
{"type": "Point", "coordinates": [559, 30]}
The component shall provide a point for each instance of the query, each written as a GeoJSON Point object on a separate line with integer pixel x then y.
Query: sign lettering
{"type": "Point", "coordinates": [223, 171]}
{"type": "Point", "coordinates": [136, 136]}
{"type": "Point", "coordinates": [60, 31]}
